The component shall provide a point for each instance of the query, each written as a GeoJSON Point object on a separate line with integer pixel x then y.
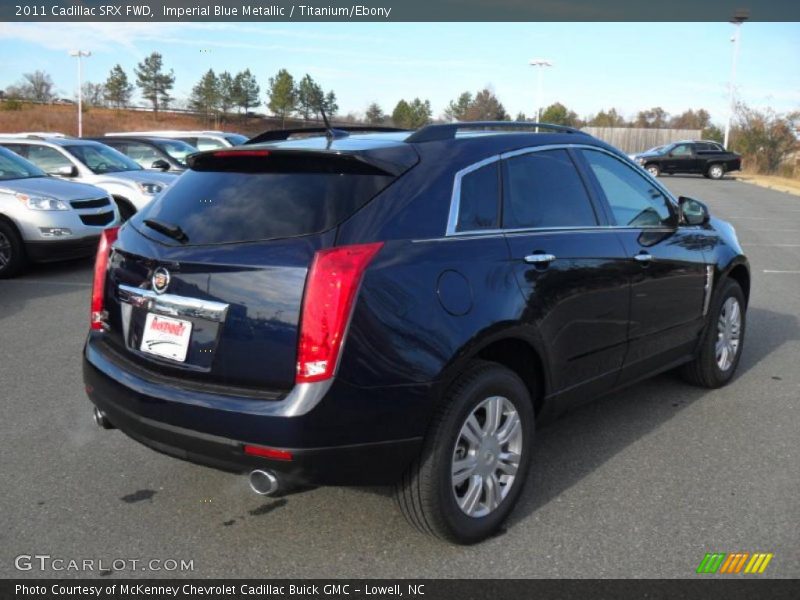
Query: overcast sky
{"type": "Point", "coordinates": [630, 66]}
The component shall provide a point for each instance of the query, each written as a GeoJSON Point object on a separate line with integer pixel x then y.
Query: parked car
{"type": "Point", "coordinates": [708, 158]}
{"type": "Point", "coordinates": [45, 219]}
{"type": "Point", "coordinates": [202, 140]}
{"type": "Point", "coordinates": [92, 162]}
{"type": "Point", "coordinates": [402, 308]}
{"type": "Point", "coordinates": [162, 154]}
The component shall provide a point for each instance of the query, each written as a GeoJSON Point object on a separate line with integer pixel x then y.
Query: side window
{"type": "Point", "coordinates": [681, 150]}
{"type": "Point", "coordinates": [20, 149]}
{"type": "Point", "coordinates": [204, 143]}
{"type": "Point", "coordinates": [702, 147]}
{"type": "Point", "coordinates": [479, 199]}
{"type": "Point", "coordinates": [633, 199]}
{"type": "Point", "coordinates": [47, 159]}
{"type": "Point", "coordinates": [543, 189]}
{"type": "Point", "coordinates": [142, 153]}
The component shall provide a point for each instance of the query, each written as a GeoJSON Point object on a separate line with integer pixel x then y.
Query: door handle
{"type": "Point", "coordinates": [643, 257]}
{"type": "Point", "coordinates": [539, 258]}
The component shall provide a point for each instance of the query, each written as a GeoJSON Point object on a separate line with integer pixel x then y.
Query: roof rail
{"type": "Point", "coordinates": [448, 131]}
{"type": "Point", "coordinates": [276, 135]}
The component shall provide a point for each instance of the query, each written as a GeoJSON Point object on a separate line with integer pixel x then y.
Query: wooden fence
{"type": "Point", "coordinates": [635, 139]}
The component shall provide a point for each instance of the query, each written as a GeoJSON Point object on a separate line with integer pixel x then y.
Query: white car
{"type": "Point", "coordinates": [202, 140]}
{"type": "Point", "coordinates": [86, 161]}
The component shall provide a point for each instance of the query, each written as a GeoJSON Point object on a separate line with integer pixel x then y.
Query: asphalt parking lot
{"type": "Point", "coordinates": [639, 484]}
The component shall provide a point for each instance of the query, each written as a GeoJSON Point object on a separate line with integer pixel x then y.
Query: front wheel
{"type": "Point", "coordinates": [716, 171]}
{"type": "Point", "coordinates": [475, 457]}
{"type": "Point", "coordinates": [12, 251]}
{"type": "Point", "coordinates": [654, 170]}
{"type": "Point", "coordinates": [722, 342]}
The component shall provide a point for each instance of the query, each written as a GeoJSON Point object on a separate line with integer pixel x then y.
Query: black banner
{"type": "Point", "coordinates": [462, 589]}
{"type": "Point", "coordinates": [396, 10]}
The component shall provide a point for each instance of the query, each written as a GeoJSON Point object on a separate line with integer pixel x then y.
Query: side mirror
{"type": "Point", "coordinates": [160, 164]}
{"type": "Point", "coordinates": [693, 212]}
{"type": "Point", "coordinates": [66, 171]}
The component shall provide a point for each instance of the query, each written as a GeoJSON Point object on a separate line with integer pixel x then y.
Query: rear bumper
{"type": "Point", "coordinates": [330, 445]}
{"type": "Point", "coordinates": [51, 251]}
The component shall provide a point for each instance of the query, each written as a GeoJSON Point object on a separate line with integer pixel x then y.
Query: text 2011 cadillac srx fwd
{"type": "Point", "coordinates": [401, 307]}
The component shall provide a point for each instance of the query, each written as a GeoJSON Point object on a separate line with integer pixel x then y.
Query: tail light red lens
{"type": "Point", "coordinates": [263, 451]}
{"type": "Point", "coordinates": [98, 314]}
{"type": "Point", "coordinates": [327, 304]}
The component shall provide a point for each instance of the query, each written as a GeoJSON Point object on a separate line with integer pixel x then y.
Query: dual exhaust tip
{"type": "Point", "coordinates": [264, 483]}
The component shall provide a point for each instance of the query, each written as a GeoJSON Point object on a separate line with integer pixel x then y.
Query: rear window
{"type": "Point", "coordinates": [217, 207]}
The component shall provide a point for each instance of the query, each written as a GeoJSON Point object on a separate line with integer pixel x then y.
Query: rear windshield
{"type": "Point", "coordinates": [217, 207]}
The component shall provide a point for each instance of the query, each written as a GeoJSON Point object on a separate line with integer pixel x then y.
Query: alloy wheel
{"type": "Point", "coordinates": [5, 250]}
{"type": "Point", "coordinates": [486, 456]}
{"type": "Point", "coordinates": [729, 327]}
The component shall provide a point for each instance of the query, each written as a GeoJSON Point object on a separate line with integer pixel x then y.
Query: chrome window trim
{"type": "Point", "coordinates": [455, 198]}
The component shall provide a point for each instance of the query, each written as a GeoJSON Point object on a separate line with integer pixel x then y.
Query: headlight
{"type": "Point", "coordinates": [41, 202]}
{"type": "Point", "coordinates": [151, 189]}
{"type": "Point", "coordinates": [640, 161]}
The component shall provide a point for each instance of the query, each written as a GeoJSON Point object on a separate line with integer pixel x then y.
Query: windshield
{"type": "Point", "coordinates": [102, 159]}
{"type": "Point", "coordinates": [236, 139]}
{"type": "Point", "coordinates": [654, 150]}
{"type": "Point", "coordinates": [177, 149]}
{"type": "Point", "coordinates": [15, 167]}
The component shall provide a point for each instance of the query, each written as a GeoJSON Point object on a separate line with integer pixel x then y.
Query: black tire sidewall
{"type": "Point", "coordinates": [729, 289]}
{"type": "Point", "coordinates": [495, 381]}
{"type": "Point", "coordinates": [17, 260]}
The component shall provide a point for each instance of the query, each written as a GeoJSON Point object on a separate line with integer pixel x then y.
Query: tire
{"type": "Point", "coordinates": [716, 171]}
{"type": "Point", "coordinates": [12, 251]}
{"type": "Point", "coordinates": [427, 494]}
{"type": "Point", "coordinates": [126, 209]}
{"type": "Point", "coordinates": [653, 169]}
{"type": "Point", "coordinates": [708, 369]}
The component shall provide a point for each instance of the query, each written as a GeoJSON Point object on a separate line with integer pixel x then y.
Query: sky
{"type": "Point", "coordinates": [629, 66]}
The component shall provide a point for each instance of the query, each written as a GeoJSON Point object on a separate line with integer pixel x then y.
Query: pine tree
{"type": "Point", "coordinates": [205, 96]}
{"type": "Point", "coordinates": [282, 95]}
{"type": "Point", "coordinates": [154, 82]}
{"type": "Point", "coordinates": [118, 90]}
{"type": "Point", "coordinates": [374, 114]}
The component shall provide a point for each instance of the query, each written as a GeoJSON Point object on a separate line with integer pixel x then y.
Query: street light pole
{"type": "Point", "coordinates": [79, 54]}
{"type": "Point", "coordinates": [738, 18]}
{"type": "Point", "coordinates": [541, 63]}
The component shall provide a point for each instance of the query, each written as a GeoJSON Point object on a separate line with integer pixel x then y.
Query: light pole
{"type": "Point", "coordinates": [79, 54]}
{"type": "Point", "coordinates": [739, 17]}
{"type": "Point", "coordinates": [541, 63]}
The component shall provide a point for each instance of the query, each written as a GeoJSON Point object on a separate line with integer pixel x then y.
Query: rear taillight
{"type": "Point", "coordinates": [328, 301]}
{"type": "Point", "coordinates": [98, 315]}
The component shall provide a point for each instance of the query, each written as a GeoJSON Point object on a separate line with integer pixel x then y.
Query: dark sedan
{"type": "Point", "coordinates": [152, 152]}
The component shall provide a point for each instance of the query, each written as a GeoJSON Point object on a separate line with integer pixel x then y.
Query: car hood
{"type": "Point", "coordinates": [143, 176]}
{"type": "Point", "coordinates": [55, 188]}
{"type": "Point", "coordinates": [647, 155]}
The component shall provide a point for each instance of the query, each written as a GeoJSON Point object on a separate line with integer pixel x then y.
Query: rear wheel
{"type": "Point", "coordinates": [475, 458]}
{"type": "Point", "coordinates": [12, 250]}
{"type": "Point", "coordinates": [722, 342]}
{"type": "Point", "coordinates": [653, 169]}
{"type": "Point", "coordinates": [716, 171]}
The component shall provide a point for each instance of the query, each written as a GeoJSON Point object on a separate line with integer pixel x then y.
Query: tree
{"type": "Point", "coordinates": [486, 107]}
{"type": "Point", "coordinates": [245, 90]}
{"type": "Point", "coordinates": [764, 137]}
{"type": "Point", "coordinates": [226, 92]}
{"type": "Point", "coordinates": [521, 117]}
{"type": "Point", "coordinates": [712, 132]}
{"type": "Point", "coordinates": [309, 97]}
{"type": "Point", "coordinates": [94, 94]}
{"type": "Point", "coordinates": [154, 82]}
{"type": "Point", "coordinates": [330, 105]}
{"type": "Point", "coordinates": [205, 96]}
{"type": "Point", "coordinates": [374, 114]}
{"type": "Point", "coordinates": [655, 118]}
{"type": "Point", "coordinates": [558, 114]}
{"type": "Point", "coordinates": [457, 109]}
{"type": "Point", "coordinates": [34, 87]}
{"type": "Point", "coordinates": [610, 118]}
{"type": "Point", "coordinates": [412, 115]}
{"type": "Point", "coordinates": [282, 95]}
{"type": "Point", "coordinates": [117, 88]}
{"type": "Point", "coordinates": [691, 119]}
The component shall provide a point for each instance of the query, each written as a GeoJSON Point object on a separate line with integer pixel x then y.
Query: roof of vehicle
{"type": "Point", "coordinates": [149, 139]}
{"type": "Point", "coordinates": [55, 141]}
{"type": "Point", "coordinates": [168, 133]}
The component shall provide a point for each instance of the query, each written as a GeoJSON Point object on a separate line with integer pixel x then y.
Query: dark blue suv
{"type": "Point", "coordinates": [400, 307]}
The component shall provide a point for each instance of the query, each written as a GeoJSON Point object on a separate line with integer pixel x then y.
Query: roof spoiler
{"type": "Point", "coordinates": [448, 131]}
{"type": "Point", "coordinates": [278, 135]}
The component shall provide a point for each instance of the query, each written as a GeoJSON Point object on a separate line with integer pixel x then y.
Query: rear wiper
{"type": "Point", "coordinates": [173, 231]}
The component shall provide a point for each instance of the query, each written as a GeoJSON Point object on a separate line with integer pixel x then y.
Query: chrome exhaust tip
{"type": "Point", "coordinates": [101, 420]}
{"type": "Point", "coordinates": [263, 482]}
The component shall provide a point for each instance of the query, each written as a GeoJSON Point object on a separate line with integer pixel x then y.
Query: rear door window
{"type": "Point", "coordinates": [225, 206]}
{"type": "Point", "coordinates": [544, 189]}
{"type": "Point", "coordinates": [47, 159]}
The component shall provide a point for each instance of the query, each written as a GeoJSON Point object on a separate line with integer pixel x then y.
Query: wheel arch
{"type": "Point", "coordinates": [741, 274]}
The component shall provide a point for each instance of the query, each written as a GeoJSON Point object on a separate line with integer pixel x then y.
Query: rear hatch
{"type": "Point", "coordinates": [206, 283]}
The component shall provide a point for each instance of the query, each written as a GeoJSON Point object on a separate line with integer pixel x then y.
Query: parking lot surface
{"type": "Point", "coordinates": [638, 484]}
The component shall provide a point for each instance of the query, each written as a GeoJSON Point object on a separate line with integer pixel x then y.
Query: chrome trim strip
{"type": "Point", "coordinates": [707, 288]}
{"type": "Point", "coordinates": [172, 305]}
{"type": "Point", "coordinates": [455, 198]}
